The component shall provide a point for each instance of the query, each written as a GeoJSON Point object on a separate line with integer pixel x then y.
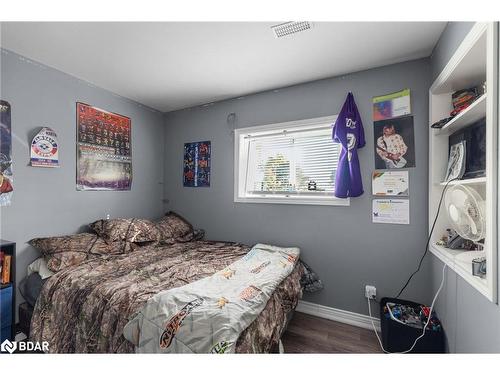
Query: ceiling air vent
{"type": "Point", "coordinates": [289, 28]}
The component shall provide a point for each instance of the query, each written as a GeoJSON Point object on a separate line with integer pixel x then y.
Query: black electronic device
{"type": "Point", "coordinates": [475, 143]}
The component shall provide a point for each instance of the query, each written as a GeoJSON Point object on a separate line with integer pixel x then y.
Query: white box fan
{"type": "Point", "coordinates": [466, 211]}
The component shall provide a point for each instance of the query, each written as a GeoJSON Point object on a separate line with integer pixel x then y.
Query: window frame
{"type": "Point", "coordinates": [279, 198]}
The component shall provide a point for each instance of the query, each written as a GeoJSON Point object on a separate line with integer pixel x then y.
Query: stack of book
{"type": "Point", "coordinates": [5, 264]}
{"type": "Point", "coordinates": [462, 99]}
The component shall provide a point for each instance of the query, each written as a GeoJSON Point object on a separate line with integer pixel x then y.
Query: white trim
{"type": "Point", "coordinates": [289, 124]}
{"type": "Point", "coordinates": [298, 124]}
{"type": "Point", "coordinates": [471, 38]}
{"type": "Point", "coordinates": [320, 201]}
{"type": "Point", "coordinates": [338, 315]}
{"type": "Point", "coordinates": [492, 159]}
{"type": "Point", "coordinates": [439, 98]}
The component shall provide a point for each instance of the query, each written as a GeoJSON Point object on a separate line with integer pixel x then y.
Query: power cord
{"type": "Point", "coordinates": [428, 238]}
{"type": "Point", "coordinates": [413, 274]}
{"type": "Point", "coordinates": [425, 326]}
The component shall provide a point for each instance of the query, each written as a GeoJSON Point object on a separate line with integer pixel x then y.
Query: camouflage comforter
{"type": "Point", "coordinates": [83, 309]}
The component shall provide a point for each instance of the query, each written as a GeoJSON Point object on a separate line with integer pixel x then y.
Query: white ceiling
{"type": "Point", "coordinates": [169, 66]}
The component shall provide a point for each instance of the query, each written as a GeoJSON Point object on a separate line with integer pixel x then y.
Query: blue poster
{"type": "Point", "coordinates": [197, 164]}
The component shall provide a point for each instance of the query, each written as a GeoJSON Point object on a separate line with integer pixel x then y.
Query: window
{"type": "Point", "coordinates": [293, 162]}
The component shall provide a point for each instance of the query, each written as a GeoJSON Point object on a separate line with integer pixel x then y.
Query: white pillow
{"type": "Point", "coordinates": [40, 266]}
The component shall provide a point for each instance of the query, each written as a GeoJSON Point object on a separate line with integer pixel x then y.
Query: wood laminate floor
{"type": "Point", "coordinates": [309, 334]}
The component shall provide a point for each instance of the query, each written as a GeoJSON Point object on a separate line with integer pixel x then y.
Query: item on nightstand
{"type": "Point", "coordinates": [479, 267]}
{"type": "Point", "coordinates": [452, 240]}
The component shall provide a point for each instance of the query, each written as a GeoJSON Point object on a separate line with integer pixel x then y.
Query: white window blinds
{"type": "Point", "coordinates": [291, 162]}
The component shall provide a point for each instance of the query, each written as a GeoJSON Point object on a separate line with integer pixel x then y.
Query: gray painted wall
{"type": "Point", "coordinates": [45, 201]}
{"type": "Point", "coordinates": [472, 323]}
{"type": "Point", "coordinates": [340, 243]}
{"type": "Point", "coordinates": [448, 42]}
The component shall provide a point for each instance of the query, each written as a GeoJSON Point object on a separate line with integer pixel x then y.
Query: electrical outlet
{"type": "Point", "coordinates": [370, 291]}
{"type": "Point", "coordinates": [108, 216]}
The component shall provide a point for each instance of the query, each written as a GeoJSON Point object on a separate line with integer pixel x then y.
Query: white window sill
{"type": "Point", "coordinates": [312, 201]}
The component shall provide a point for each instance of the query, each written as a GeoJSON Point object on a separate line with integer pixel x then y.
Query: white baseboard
{"type": "Point", "coordinates": [342, 316]}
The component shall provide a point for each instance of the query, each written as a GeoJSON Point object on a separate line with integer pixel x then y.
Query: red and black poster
{"type": "Point", "coordinates": [104, 150]}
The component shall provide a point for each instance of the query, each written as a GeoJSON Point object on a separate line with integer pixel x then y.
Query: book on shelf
{"type": "Point", "coordinates": [6, 264]}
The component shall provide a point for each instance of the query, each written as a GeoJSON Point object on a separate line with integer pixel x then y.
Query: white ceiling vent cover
{"type": "Point", "coordinates": [289, 28]}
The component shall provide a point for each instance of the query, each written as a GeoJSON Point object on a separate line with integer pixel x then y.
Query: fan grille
{"type": "Point", "coordinates": [465, 209]}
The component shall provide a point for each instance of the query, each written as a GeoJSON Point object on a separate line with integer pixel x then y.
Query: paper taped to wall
{"type": "Point", "coordinates": [391, 211]}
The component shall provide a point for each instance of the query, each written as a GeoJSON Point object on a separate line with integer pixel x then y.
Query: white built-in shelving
{"type": "Point", "coordinates": [474, 63]}
{"type": "Point", "coordinates": [475, 112]}
{"type": "Point", "coordinates": [469, 181]}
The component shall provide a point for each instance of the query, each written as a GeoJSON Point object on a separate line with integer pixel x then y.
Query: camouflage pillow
{"type": "Point", "coordinates": [67, 251]}
{"type": "Point", "coordinates": [174, 228]}
{"type": "Point", "coordinates": [129, 230]}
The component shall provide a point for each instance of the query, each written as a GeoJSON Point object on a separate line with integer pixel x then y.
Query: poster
{"type": "Point", "coordinates": [392, 105]}
{"type": "Point", "coordinates": [394, 143]}
{"type": "Point", "coordinates": [6, 179]}
{"type": "Point", "coordinates": [104, 150]}
{"type": "Point", "coordinates": [456, 161]}
{"type": "Point", "coordinates": [197, 164]}
{"type": "Point", "coordinates": [391, 211]}
{"type": "Point", "coordinates": [390, 183]}
{"type": "Point", "coordinates": [44, 149]}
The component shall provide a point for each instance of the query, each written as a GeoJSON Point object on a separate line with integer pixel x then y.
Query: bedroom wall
{"type": "Point", "coordinates": [340, 243]}
{"type": "Point", "coordinates": [471, 321]}
{"type": "Point", "coordinates": [45, 201]}
{"type": "Point", "coordinates": [450, 39]}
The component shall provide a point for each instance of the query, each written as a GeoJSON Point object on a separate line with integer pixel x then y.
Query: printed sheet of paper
{"type": "Point", "coordinates": [391, 105]}
{"type": "Point", "coordinates": [390, 183]}
{"type": "Point", "coordinates": [391, 211]}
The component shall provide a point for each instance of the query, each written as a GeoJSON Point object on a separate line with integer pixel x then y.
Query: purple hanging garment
{"type": "Point", "coordinates": [348, 131]}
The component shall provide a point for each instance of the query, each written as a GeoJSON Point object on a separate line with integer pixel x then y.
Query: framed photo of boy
{"type": "Point", "coordinates": [394, 143]}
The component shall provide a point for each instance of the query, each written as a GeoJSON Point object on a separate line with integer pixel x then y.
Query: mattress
{"type": "Point", "coordinates": [83, 309]}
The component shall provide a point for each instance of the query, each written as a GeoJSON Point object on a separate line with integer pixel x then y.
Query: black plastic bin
{"type": "Point", "coordinates": [398, 337]}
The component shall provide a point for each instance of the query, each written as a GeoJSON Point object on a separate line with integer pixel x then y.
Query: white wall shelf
{"type": "Point", "coordinates": [460, 261]}
{"type": "Point", "coordinates": [470, 115]}
{"type": "Point", "coordinates": [475, 62]}
{"type": "Point", "coordinates": [469, 181]}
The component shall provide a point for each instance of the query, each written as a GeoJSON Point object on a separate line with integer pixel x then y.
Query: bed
{"type": "Point", "coordinates": [84, 308]}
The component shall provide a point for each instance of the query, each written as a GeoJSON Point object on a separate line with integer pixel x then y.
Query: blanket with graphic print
{"type": "Point", "coordinates": [208, 315]}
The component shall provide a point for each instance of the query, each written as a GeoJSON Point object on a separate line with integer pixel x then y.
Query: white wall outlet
{"type": "Point", "coordinates": [370, 291]}
{"type": "Point", "coordinates": [108, 216]}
